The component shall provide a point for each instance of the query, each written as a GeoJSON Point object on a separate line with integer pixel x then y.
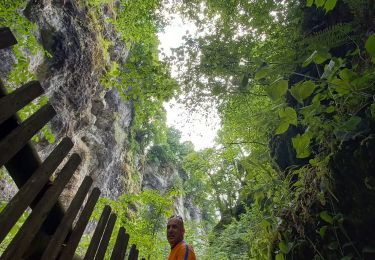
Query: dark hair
{"type": "Point", "coordinates": [179, 218]}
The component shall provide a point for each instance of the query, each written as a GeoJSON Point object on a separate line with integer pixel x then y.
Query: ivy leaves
{"type": "Point", "coordinates": [277, 90]}
{"type": "Point", "coordinates": [328, 5]}
{"type": "Point", "coordinates": [288, 116]}
{"type": "Point", "coordinates": [301, 144]}
{"type": "Point", "coordinates": [370, 46]}
{"type": "Point", "coordinates": [303, 90]}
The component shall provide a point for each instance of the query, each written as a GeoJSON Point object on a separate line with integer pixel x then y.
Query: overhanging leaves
{"type": "Point", "coordinates": [301, 143]}
{"type": "Point", "coordinates": [288, 116]}
{"type": "Point", "coordinates": [302, 91]}
{"type": "Point", "coordinates": [277, 90]}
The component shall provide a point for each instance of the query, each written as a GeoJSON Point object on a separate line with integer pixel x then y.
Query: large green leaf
{"type": "Point", "coordinates": [288, 116]}
{"type": "Point", "coordinates": [370, 46]}
{"type": "Point", "coordinates": [301, 144]}
{"type": "Point", "coordinates": [319, 3]}
{"type": "Point", "coordinates": [326, 217]}
{"type": "Point", "coordinates": [347, 75]}
{"type": "Point", "coordinates": [309, 3]}
{"type": "Point", "coordinates": [262, 73]}
{"type": "Point", "coordinates": [321, 56]}
{"type": "Point", "coordinates": [302, 91]}
{"type": "Point", "coordinates": [277, 90]}
{"type": "Point", "coordinates": [330, 5]}
{"type": "Point", "coordinates": [342, 87]}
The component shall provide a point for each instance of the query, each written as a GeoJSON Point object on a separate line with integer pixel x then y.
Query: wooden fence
{"type": "Point", "coordinates": [47, 233]}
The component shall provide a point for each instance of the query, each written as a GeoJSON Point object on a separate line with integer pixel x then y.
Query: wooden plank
{"type": "Point", "coordinates": [106, 237]}
{"type": "Point", "coordinates": [121, 244]}
{"type": "Point", "coordinates": [68, 251]}
{"type": "Point", "coordinates": [7, 38]}
{"type": "Point", "coordinates": [62, 231]}
{"type": "Point", "coordinates": [91, 251]}
{"type": "Point", "coordinates": [32, 224]}
{"type": "Point", "coordinates": [18, 138]}
{"type": "Point", "coordinates": [31, 189]}
{"type": "Point", "coordinates": [133, 253]}
{"type": "Point", "coordinates": [19, 98]}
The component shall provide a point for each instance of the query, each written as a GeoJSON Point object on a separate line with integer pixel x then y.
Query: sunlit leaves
{"type": "Point", "coordinates": [330, 5]}
{"type": "Point", "coordinates": [319, 3]}
{"type": "Point", "coordinates": [303, 90]}
{"type": "Point", "coordinates": [370, 46]}
{"type": "Point", "coordinates": [309, 3]}
{"type": "Point", "coordinates": [318, 57]}
{"type": "Point", "coordinates": [301, 144]}
{"type": "Point", "coordinates": [327, 4]}
{"type": "Point", "coordinates": [277, 90]}
{"type": "Point", "coordinates": [262, 73]}
{"type": "Point", "coordinates": [288, 116]}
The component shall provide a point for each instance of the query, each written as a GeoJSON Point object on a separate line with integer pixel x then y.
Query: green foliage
{"type": "Point", "coordinates": [328, 5]}
{"type": "Point", "coordinates": [302, 91]}
{"type": "Point", "coordinates": [370, 46]}
{"type": "Point", "coordinates": [234, 71]}
{"type": "Point", "coordinates": [170, 151]}
{"type": "Point", "coordinates": [144, 217]}
{"type": "Point", "coordinates": [301, 144]}
{"type": "Point", "coordinates": [288, 116]}
{"type": "Point", "coordinates": [4, 244]}
{"type": "Point", "coordinates": [277, 90]}
{"type": "Point", "coordinates": [27, 46]}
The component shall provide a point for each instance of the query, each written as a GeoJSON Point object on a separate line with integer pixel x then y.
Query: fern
{"type": "Point", "coordinates": [330, 37]}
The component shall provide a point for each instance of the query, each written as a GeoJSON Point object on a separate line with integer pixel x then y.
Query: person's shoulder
{"type": "Point", "coordinates": [190, 254]}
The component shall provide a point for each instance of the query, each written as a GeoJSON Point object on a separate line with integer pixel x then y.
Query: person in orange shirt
{"type": "Point", "coordinates": [180, 250]}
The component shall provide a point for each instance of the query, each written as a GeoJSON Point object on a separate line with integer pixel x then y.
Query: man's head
{"type": "Point", "coordinates": [175, 230]}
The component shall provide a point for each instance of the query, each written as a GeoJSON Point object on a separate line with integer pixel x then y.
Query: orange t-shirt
{"type": "Point", "coordinates": [182, 251]}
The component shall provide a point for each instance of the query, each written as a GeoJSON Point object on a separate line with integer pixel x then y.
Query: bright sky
{"type": "Point", "coordinates": [194, 127]}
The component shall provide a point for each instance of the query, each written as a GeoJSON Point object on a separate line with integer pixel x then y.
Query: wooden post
{"type": "Point", "coordinates": [19, 98]}
{"type": "Point", "coordinates": [20, 242]}
{"type": "Point", "coordinates": [30, 190]}
{"type": "Point", "coordinates": [106, 237]}
{"type": "Point", "coordinates": [58, 237]}
{"type": "Point", "coordinates": [14, 141]}
{"type": "Point", "coordinates": [68, 251]}
{"type": "Point", "coordinates": [133, 253]}
{"type": "Point", "coordinates": [121, 244]}
{"type": "Point", "coordinates": [91, 251]}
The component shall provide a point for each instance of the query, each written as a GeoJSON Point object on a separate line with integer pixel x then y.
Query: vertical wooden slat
{"type": "Point", "coordinates": [121, 244]}
{"type": "Point", "coordinates": [91, 251]}
{"type": "Point", "coordinates": [7, 39]}
{"type": "Point", "coordinates": [13, 142]}
{"type": "Point", "coordinates": [30, 190]}
{"type": "Point", "coordinates": [19, 98]}
{"type": "Point", "coordinates": [60, 234]}
{"type": "Point", "coordinates": [22, 239]}
{"type": "Point", "coordinates": [133, 253]}
{"type": "Point", "coordinates": [68, 251]}
{"type": "Point", "coordinates": [106, 237]}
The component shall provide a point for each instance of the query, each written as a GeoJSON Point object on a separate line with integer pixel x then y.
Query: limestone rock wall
{"type": "Point", "coordinates": [165, 178]}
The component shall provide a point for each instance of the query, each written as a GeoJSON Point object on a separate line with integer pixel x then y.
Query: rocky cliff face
{"type": "Point", "coordinates": [165, 178]}
{"type": "Point", "coordinates": [96, 119]}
